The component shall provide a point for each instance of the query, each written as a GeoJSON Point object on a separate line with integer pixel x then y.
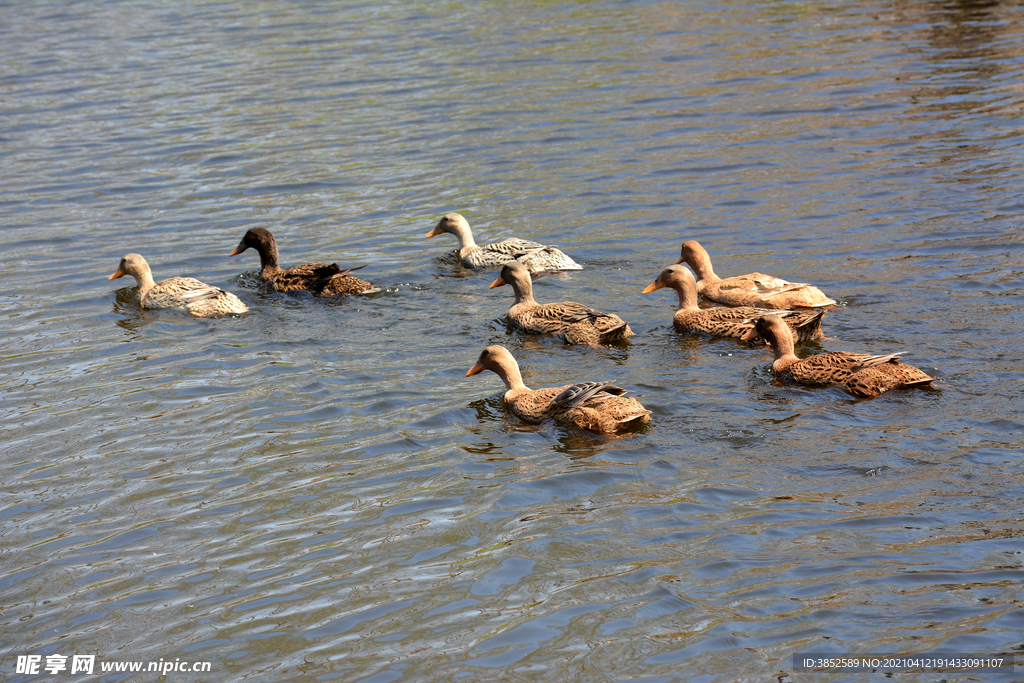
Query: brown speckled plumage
{"type": "Point", "coordinates": [573, 322]}
{"type": "Point", "coordinates": [862, 375]}
{"type": "Point", "coordinates": [322, 279]}
{"type": "Point", "coordinates": [182, 293]}
{"type": "Point", "coordinates": [533, 255]}
{"type": "Point", "coordinates": [752, 289]}
{"type": "Point", "coordinates": [599, 407]}
{"type": "Point", "coordinates": [724, 321]}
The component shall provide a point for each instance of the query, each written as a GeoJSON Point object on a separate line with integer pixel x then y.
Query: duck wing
{"type": "Point", "coordinates": [577, 323]}
{"type": "Point", "coordinates": [346, 271]}
{"type": "Point", "coordinates": [838, 367]}
{"type": "Point", "coordinates": [599, 407]}
{"type": "Point", "coordinates": [343, 282]}
{"type": "Point", "coordinates": [197, 295]}
{"type": "Point", "coordinates": [533, 255]}
{"type": "Point", "coordinates": [760, 284]}
{"type": "Point", "coordinates": [193, 296]}
{"type": "Point", "coordinates": [178, 292]}
{"type": "Point", "coordinates": [514, 247]}
{"type": "Point", "coordinates": [882, 376]}
{"type": "Point", "coordinates": [572, 313]}
{"type": "Point", "coordinates": [758, 289]}
{"type": "Point", "coordinates": [576, 395]}
{"type": "Point", "coordinates": [312, 277]}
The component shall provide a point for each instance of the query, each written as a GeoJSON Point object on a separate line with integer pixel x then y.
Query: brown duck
{"type": "Point", "coordinates": [182, 293]}
{"type": "Point", "coordinates": [724, 321]}
{"type": "Point", "coordinates": [599, 407]}
{"type": "Point", "coordinates": [860, 374]}
{"type": "Point", "coordinates": [322, 279]}
{"type": "Point", "coordinates": [752, 289]}
{"type": "Point", "coordinates": [573, 322]}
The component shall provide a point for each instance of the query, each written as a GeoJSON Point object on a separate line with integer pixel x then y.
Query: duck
{"type": "Point", "coordinates": [322, 279]}
{"type": "Point", "coordinates": [182, 293]}
{"type": "Point", "coordinates": [723, 321]}
{"type": "Point", "coordinates": [859, 374]}
{"type": "Point", "coordinates": [752, 289]}
{"type": "Point", "coordinates": [535, 256]}
{"type": "Point", "coordinates": [572, 322]}
{"type": "Point", "coordinates": [599, 407]}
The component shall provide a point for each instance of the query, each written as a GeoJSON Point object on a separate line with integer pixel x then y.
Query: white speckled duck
{"type": "Point", "coordinates": [182, 293]}
{"type": "Point", "coordinates": [533, 255]}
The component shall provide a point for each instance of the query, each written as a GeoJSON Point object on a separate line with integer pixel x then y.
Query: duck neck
{"type": "Point", "coordinates": [146, 282]}
{"type": "Point", "coordinates": [268, 260]}
{"type": "Point", "coordinates": [523, 287]}
{"type": "Point", "coordinates": [687, 297]}
{"type": "Point", "coordinates": [512, 378]}
{"type": "Point", "coordinates": [465, 237]}
{"type": "Point", "coordinates": [701, 264]}
{"type": "Point", "coordinates": [784, 355]}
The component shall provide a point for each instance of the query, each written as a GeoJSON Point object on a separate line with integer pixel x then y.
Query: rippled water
{"type": "Point", "coordinates": [316, 492]}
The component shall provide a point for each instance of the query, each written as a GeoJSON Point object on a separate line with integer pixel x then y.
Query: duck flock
{"type": "Point", "coordinates": [754, 307]}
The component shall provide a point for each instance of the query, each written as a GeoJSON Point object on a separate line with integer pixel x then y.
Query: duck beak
{"type": "Point", "coordinates": [242, 246]}
{"type": "Point", "coordinates": [434, 233]}
{"type": "Point", "coordinates": [679, 260]}
{"type": "Point", "coordinates": [749, 334]}
{"type": "Point", "coordinates": [116, 274]}
{"type": "Point", "coordinates": [497, 283]}
{"type": "Point", "coordinates": [651, 287]}
{"type": "Point", "coordinates": [475, 370]}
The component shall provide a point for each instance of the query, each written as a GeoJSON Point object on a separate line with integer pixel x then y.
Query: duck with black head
{"type": "Point", "coordinates": [321, 279]}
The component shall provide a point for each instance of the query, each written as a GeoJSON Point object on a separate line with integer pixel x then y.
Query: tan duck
{"type": "Point", "coordinates": [535, 256]}
{"type": "Point", "coordinates": [599, 407]}
{"type": "Point", "coordinates": [322, 279]}
{"type": "Point", "coordinates": [752, 289]}
{"type": "Point", "coordinates": [724, 321]}
{"type": "Point", "coordinates": [860, 374]}
{"type": "Point", "coordinates": [573, 322]}
{"type": "Point", "coordinates": [182, 293]}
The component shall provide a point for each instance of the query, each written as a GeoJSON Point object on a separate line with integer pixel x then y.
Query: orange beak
{"type": "Point", "coordinates": [435, 232]}
{"type": "Point", "coordinates": [749, 334]}
{"type": "Point", "coordinates": [475, 370]}
{"type": "Point", "coordinates": [242, 246]}
{"type": "Point", "coordinates": [497, 283]}
{"type": "Point", "coordinates": [116, 274]}
{"type": "Point", "coordinates": [679, 260]}
{"type": "Point", "coordinates": [651, 287]}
